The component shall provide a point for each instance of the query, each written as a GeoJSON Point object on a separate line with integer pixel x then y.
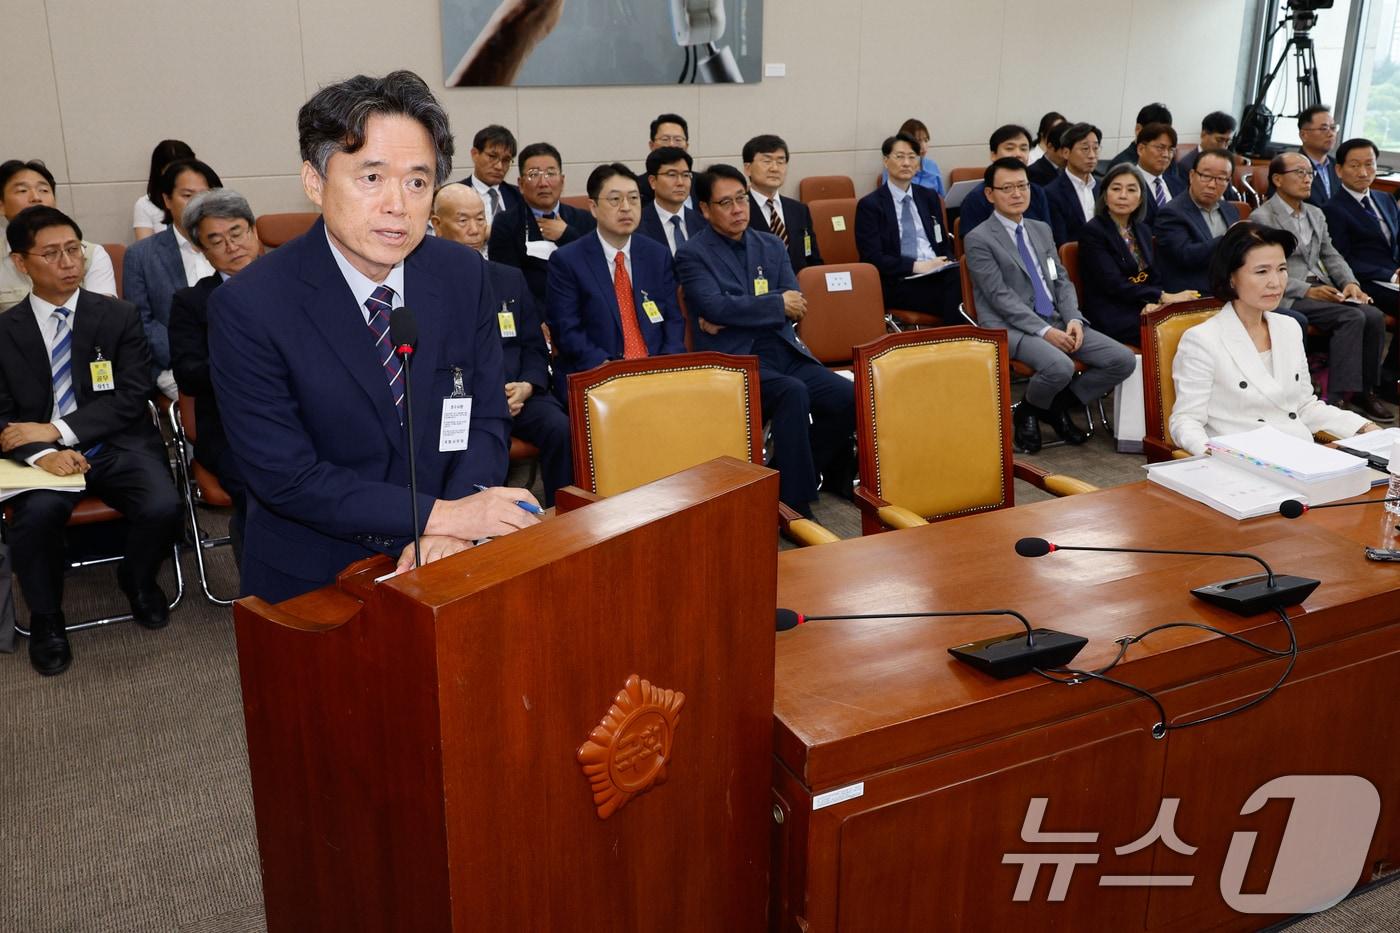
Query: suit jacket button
{"type": "Point", "coordinates": [1244, 385]}
{"type": "Point", "coordinates": [1293, 415]}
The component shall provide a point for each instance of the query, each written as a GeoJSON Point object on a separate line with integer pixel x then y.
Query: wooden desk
{"type": "Point", "coordinates": [950, 759]}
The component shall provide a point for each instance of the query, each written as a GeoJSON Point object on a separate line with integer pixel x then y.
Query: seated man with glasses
{"type": "Point", "coordinates": [220, 223]}
{"type": "Point", "coordinates": [668, 219]}
{"type": "Point", "coordinates": [788, 219]}
{"type": "Point", "coordinates": [25, 184]}
{"type": "Point", "coordinates": [612, 296]}
{"type": "Point", "coordinates": [1322, 286]}
{"type": "Point", "coordinates": [1020, 287]}
{"type": "Point", "coordinates": [493, 151]}
{"type": "Point", "coordinates": [1187, 229]}
{"type": "Point", "coordinates": [527, 239]}
{"type": "Point", "coordinates": [1156, 154]}
{"type": "Point", "coordinates": [75, 376]}
{"type": "Point", "coordinates": [1318, 132]}
{"type": "Point", "coordinates": [900, 231]}
{"type": "Point", "coordinates": [743, 299]}
{"type": "Point", "coordinates": [667, 130]}
{"type": "Point", "coordinates": [1365, 228]}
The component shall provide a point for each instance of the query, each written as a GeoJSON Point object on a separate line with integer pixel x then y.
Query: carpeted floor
{"type": "Point", "coordinates": [126, 804]}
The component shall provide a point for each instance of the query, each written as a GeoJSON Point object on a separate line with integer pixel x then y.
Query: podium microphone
{"type": "Point", "coordinates": [1002, 656]}
{"type": "Point", "coordinates": [403, 337]}
{"type": "Point", "coordinates": [1292, 508]}
{"type": "Point", "coordinates": [1243, 595]}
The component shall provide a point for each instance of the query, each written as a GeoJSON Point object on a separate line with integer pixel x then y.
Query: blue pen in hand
{"type": "Point", "coordinates": [527, 506]}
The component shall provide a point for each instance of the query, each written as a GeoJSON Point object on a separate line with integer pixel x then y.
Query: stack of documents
{"type": "Point", "coordinates": [16, 478]}
{"type": "Point", "coordinates": [1248, 474]}
{"type": "Point", "coordinates": [1374, 446]}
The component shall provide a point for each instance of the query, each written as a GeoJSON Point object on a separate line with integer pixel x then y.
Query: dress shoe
{"type": "Point", "coordinates": [1025, 417]}
{"type": "Point", "coordinates": [1061, 421]}
{"type": "Point", "coordinates": [48, 644]}
{"type": "Point", "coordinates": [149, 607]}
{"type": "Point", "coordinates": [1368, 405]}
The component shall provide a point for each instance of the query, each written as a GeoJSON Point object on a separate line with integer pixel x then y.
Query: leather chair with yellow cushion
{"type": "Point", "coordinates": [933, 422]}
{"type": "Point", "coordinates": [635, 421]}
{"type": "Point", "coordinates": [1161, 333]}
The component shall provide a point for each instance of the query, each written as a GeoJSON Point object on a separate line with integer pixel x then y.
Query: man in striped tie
{"type": "Point", "coordinates": [312, 394]}
{"type": "Point", "coordinates": [75, 374]}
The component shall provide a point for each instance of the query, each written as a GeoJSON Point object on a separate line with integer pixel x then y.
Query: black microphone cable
{"type": "Point", "coordinates": [1162, 727]}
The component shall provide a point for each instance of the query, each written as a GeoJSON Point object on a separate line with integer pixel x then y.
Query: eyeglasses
{"type": "Point", "coordinates": [904, 156]}
{"type": "Point", "coordinates": [497, 158]}
{"type": "Point", "coordinates": [536, 175]}
{"type": "Point", "coordinates": [616, 200]}
{"type": "Point", "coordinates": [770, 160]}
{"type": "Point", "coordinates": [234, 237]}
{"type": "Point", "coordinates": [73, 252]}
{"type": "Point", "coordinates": [1300, 172]}
{"type": "Point", "coordinates": [1016, 187]}
{"type": "Point", "coordinates": [1161, 148]}
{"type": "Point", "coordinates": [674, 176]}
{"type": "Point", "coordinates": [1323, 128]}
{"type": "Point", "coordinates": [670, 140]}
{"type": "Point", "coordinates": [740, 199]}
{"type": "Point", "coordinates": [1212, 179]}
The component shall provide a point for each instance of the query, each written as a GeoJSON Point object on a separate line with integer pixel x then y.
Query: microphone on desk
{"type": "Point", "coordinates": [403, 337]}
{"type": "Point", "coordinates": [1002, 656]}
{"type": "Point", "coordinates": [1243, 595]}
{"type": "Point", "coordinates": [1292, 508]}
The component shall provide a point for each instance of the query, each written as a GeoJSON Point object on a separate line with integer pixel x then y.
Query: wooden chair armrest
{"type": "Point", "coordinates": [1056, 484]}
{"type": "Point", "coordinates": [1157, 450]}
{"type": "Point", "coordinates": [897, 516]}
{"type": "Point", "coordinates": [568, 498]}
{"type": "Point", "coordinates": [1324, 437]}
{"type": "Point", "coordinates": [802, 531]}
{"type": "Point", "coordinates": [1179, 454]}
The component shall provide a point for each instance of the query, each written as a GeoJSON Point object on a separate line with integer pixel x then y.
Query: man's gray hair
{"type": "Point", "coordinates": [224, 203]}
{"type": "Point", "coordinates": [334, 119]}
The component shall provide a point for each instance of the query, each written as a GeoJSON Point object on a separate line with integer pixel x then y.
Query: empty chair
{"type": "Point", "coordinates": [834, 220]}
{"type": "Point", "coordinates": [825, 187]}
{"type": "Point", "coordinates": [838, 320]}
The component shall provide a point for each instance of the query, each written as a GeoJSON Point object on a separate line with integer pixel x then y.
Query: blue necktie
{"type": "Point", "coordinates": [1371, 209]}
{"type": "Point", "coordinates": [1161, 194]}
{"type": "Point", "coordinates": [908, 239]}
{"type": "Point", "coordinates": [678, 231]}
{"type": "Point", "coordinates": [1043, 305]}
{"type": "Point", "coordinates": [61, 362]}
{"type": "Point", "coordinates": [379, 304]}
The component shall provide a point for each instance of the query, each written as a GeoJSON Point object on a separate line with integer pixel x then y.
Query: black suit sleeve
{"type": "Point", "coordinates": [868, 238]}
{"type": "Point", "coordinates": [189, 342]}
{"type": "Point", "coordinates": [506, 244]}
{"type": "Point", "coordinates": [534, 352]}
{"type": "Point", "coordinates": [124, 343]}
{"type": "Point", "coordinates": [810, 235]}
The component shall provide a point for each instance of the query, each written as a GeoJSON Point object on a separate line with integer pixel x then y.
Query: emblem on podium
{"type": "Point", "coordinates": [626, 754]}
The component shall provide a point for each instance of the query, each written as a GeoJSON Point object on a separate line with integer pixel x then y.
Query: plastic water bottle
{"type": "Point", "coordinates": [1393, 490]}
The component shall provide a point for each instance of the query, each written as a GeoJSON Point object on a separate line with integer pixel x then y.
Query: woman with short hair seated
{"type": "Point", "coordinates": [1246, 365]}
{"type": "Point", "coordinates": [1115, 259]}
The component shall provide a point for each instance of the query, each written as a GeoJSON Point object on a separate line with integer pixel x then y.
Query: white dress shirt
{"type": "Point", "coordinates": [770, 206]}
{"type": "Point", "coordinates": [485, 190]}
{"type": "Point", "coordinates": [48, 328]}
{"type": "Point", "coordinates": [362, 286]}
{"type": "Point", "coordinates": [1085, 190]}
{"type": "Point", "coordinates": [610, 251]}
{"type": "Point", "coordinates": [196, 266]}
{"type": "Point", "coordinates": [670, 229]}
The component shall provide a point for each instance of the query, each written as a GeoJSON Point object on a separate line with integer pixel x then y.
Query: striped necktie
{"type": "Point", "coordinates": [1160, 192]}
{"type": "Point", "coordinates": [61, 362]}
{"type": "Point", "coordinates": [775, 221]}
{"type": "Point", "coordinates": [379, 305]}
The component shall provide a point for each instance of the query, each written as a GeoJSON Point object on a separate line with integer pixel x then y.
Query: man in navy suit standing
{"type": "Point", "coordinates": [1365, 229]}
{"type": "Point", "coordinates": [766, 164]}
{"type": "Point", "coordinates": [743, 299]}
{"type": "Point", "coordinates": [612, 295]}
{"type": "Point", "coordinates": [899, 230]}
{"type": "Point", "coordinates": [311, 393]}
{"type": "Point", "coordinates": [668, 218]}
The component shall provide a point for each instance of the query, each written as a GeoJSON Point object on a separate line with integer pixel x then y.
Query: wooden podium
{"type": "Point", "coordinates": [568, 728]}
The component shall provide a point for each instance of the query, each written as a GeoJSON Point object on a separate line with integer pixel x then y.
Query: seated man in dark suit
{"type": "Point", "coordinates": [536, 415]}
{"type": "Point", "coordinates": [668, 219]}
{"type": "Point", "coordinates": [1156, 150]}
{"type": "Point", "coordinates": [899, 230]}
{"type": "Point", "coordinates": [1074, 190]}
{"type": "Point", "coordinates": [1044, 169]}
{"type": "Point", "coordinates": [75, 374]}
{"type": "Point", "coordinates": [1365, 229]}
{"type": "Point", "coordinates": [527, 239]}
{"type": "Point", "coordinates": [220, 223]}
{"type": "Point", "coordinates": [1188, 228]}
{"type": "Point", "coordinates": [1020, 287]}
{"type": "Point", "coordinates": [743, 298]}
{"type": "Point", "coordinates": [667, 130]}
{"type": "Point", "coordinates": [1318, 132]}
{"type": "Point", "coordinates": [612, 295]}
{"type": "Point", "coordinates": [1149, 113]}
{"type": "Point", "coordinates": [766, 164]}
{"type": "Point", "coordinates": [493, 151]}
{"type": "Point", "coordinates": [1217, 132]}
{"type": "Point", "coordinates": [1009, 141]}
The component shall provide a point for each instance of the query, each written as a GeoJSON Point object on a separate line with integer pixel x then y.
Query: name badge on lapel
{"type": "Point", "coordinates": [807, 243]}
{"type": "Point", "coordinates": [937, 230]}
{"type": "Point", "coordinates": [760, 284]}
{"type": "Point", "coordinates": [1050, 272]}
{"type": "Point", "coordinates": [101, 371]}
{"type": "Point", "coordinates": [649, 306]}
{"type": "Point", "coordinates": [455, 428]}
{"type": "Point", "coordinates": [505, 318]}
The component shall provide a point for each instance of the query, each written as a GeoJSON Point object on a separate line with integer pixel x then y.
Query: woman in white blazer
{"type": "Point", "coordinates": [1246, 366]}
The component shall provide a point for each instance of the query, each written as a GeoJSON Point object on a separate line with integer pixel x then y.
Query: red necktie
{"type": "Point", "coordinates": [634, 346]}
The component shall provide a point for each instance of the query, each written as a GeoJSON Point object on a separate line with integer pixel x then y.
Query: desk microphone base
{"type": "Point", "coordinates": [1009, 655]}
{"type": "Point", "coordinates": [1251, 595]}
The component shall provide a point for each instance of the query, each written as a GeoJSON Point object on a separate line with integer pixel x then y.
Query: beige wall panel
{"type": "Point", "coordinates": [226, 78]}
{"type": "Point", "coordinates": [33, 127]}
{"type": "Point", "coordinates": [1162, 34]}
{"type": "Point", "coordinates": [604, 124]}
{"type": "Point", "coordinates": [1056, 59]}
